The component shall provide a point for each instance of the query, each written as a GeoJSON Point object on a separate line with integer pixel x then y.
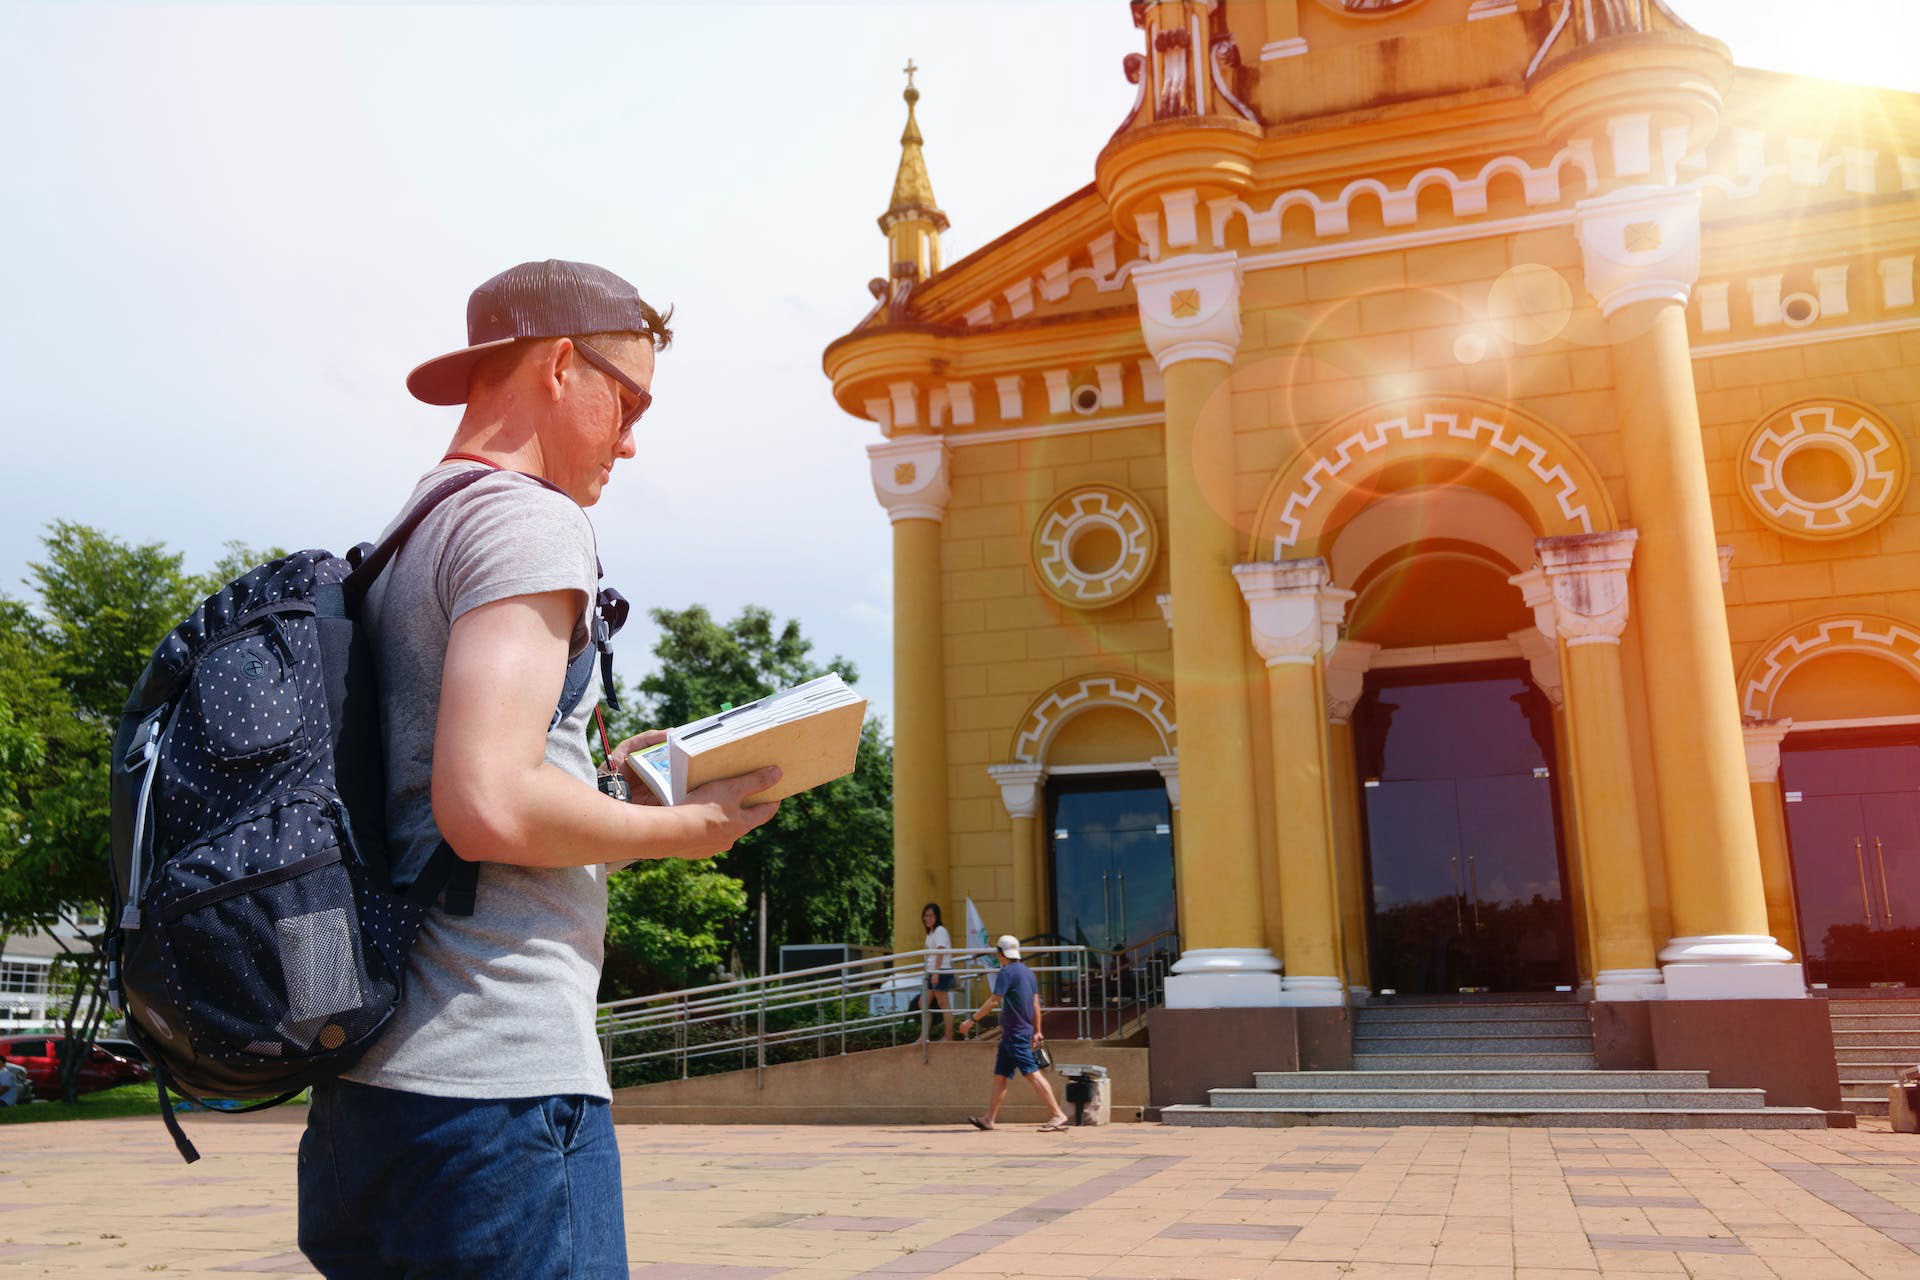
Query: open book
{"type": "Point", "coordinates": [812, 731]}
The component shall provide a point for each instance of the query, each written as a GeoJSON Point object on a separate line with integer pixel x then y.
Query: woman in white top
{"type": "Point", "coordinates": [939, 963]}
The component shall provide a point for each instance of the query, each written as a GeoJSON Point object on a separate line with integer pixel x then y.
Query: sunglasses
{"type": "Point", "coordinates": [642, 397]}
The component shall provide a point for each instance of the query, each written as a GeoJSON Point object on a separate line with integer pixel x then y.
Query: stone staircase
{"type": "Point", "coordinates": [1875, 1038]}
{"type": "Point", "coordinates": [1486, 1063]}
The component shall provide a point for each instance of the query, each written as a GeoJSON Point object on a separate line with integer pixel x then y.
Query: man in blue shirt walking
{"type": "Point", "coordinates": [1017, 992]}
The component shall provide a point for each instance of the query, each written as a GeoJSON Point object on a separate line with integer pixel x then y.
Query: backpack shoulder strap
{"type": "Point", "coordinates": [358, 582]}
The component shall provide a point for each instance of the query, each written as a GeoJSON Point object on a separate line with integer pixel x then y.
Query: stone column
{"type": "Point", "coordinates": [1190, 317]}
{"type": "Point", "coordinates": [910, 479]}
{"type": "Point", "coordinates": [1542, 654]}
{"type": "Point", "coordinates": [1641, 248]}
{"type": "Point", "coordinates": [1295, 612]}
{"type": "Point", "coordinates": [1020, 791]}
{"type": "Point", "coordinates": [1345, 677]}
{"type": "Point", "coordinates": [1587, 576]}
{"type": "Point", "coordinates": [1770, 822]}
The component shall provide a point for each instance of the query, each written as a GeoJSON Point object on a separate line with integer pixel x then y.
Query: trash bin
{"type": "Point", "coordinates": [1903, 1102]}
{"type": "Point", "coordinates": [1087, 1091]}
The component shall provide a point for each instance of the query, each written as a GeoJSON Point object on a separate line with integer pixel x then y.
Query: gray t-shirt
{"type": "Point", "coordinates": [498, 1004]}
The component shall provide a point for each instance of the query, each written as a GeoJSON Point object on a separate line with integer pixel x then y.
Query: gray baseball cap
{"type": "Point", "coordinates": [551, 299]}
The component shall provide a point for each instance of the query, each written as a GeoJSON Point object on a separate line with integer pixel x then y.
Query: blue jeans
{"type": "Point", "coordinates": [405, 1185]}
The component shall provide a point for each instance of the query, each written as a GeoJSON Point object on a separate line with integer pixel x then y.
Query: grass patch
{"type": "Point", "coordinates": [127, 1100]}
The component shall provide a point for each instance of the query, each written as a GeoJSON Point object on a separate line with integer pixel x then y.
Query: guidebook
{"type": "Point", "coordinates": [812, 731]}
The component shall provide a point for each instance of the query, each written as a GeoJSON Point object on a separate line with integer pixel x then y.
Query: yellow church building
{"type": "Point", "coordinates": [1429, 518]}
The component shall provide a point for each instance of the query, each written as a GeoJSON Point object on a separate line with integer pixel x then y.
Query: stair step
{"type": "Point", "coordinates": [1636, 1118]}
{"type": "Point", "coordinates": [1472, 1044]}
{"type": "Point", "coordinates": [1866, 1106]}
{"type": "Point", "coordinates": [1868, 1039]}
{"type": "Point", "coordinates": [1878, 1053]}
{"type": "Point", "coordinates": [1367, 1014]}
{"type": "Point", "coordinates": [1368, 1061]}
{"type": "Point", "coordinates": [1875, 1021]}
{"type": "Point", "coordinates": [1473, 1027]}
{"type": "Point", "coordinates": [1492, 1079]}
{"type": "Point", "coordinates": [1362, 1099]}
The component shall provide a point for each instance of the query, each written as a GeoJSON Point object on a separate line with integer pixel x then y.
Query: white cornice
{"type": "Point", "coordinates": [1043, 430]}
{"type": "Point", "coordinates": [1806, 337]}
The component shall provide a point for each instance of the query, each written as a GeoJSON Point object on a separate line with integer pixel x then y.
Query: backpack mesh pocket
{"type": "Point", "coordinates": [271, 962]}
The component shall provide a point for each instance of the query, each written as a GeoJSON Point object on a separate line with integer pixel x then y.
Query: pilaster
{"type": "Point", "coordinates": [1021, 788]}
{"type": "Point", "coordinates": [910, 480]}
{"type": "Point", "coordinates": [1640, 247]}
{"type": "Point", "coordinates": [1763, 738]}
{"type": "Point", "coordinates": [1190, 316]}
{"type": "Point", "coordinates": [1585, 610]}
{"type": "Point", "coordinates": [1295, 612]}
{"type": "Point", "coordinates": [1345, 679]}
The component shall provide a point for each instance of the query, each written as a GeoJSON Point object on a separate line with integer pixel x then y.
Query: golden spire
{"type": "Point", "coordinates": [913, 222]}
{"type": "Point", "coordinates": [912, 189]}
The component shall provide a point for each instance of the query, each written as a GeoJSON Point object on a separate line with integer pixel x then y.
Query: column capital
{"type": "Point", "coordinates": [1190, 307]}
{"type": "Point", "coordinates": [1543, 662]}
{"type": "Point", "coordinates": [1586, 574]}
{"type": "Point", "coordinates": [1640, 244]}
{"type": "Point", "coordinates": [1347, 667]}
{"type": "Point", "coordinates": [1294, 608]}
{"type": "Point", "coordinates": [1168, 767]}
{"type": "Point", "coordinates": [1763, 748]}
{"type": "Point", "coordinates": [910, 477]}
{"type": "Point", "coordinates": [1019, 787]}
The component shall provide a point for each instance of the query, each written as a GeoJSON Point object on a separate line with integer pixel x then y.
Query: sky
{"type": "Point", "coordinates": [228, 230]}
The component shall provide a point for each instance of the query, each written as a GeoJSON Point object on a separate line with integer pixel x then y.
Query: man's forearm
{"type": "Point", "coordinates": [549, 818]}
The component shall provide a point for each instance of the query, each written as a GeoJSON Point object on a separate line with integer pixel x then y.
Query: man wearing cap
{"type": "Point", "coordinates": [1017, 992]}
{"type": "Point", "coordinates": [475, 1137]}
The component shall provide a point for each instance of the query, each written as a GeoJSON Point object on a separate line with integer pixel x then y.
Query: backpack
{"type": "Point", "coordinates": [258, 932]}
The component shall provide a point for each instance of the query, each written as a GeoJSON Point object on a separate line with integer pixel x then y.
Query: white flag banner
{"type": "Point", "coordinates": [977, 937]}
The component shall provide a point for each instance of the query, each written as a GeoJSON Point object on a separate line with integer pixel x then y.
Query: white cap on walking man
{"type": "Point", "coordinates": [1007, 945]}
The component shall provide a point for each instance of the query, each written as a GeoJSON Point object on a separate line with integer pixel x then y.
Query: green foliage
{"type": "Point", "coordinates": [105, 605]}
{"type": "Point", "coordinates": [826, 859]}
{"type": "Point", "coordinates": [66, 667]}
{"type": "Point", "coordinates": [665, 920]}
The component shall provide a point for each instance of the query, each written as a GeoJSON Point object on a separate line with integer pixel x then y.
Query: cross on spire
{"type": "Point", "coordinates": [909, 69]}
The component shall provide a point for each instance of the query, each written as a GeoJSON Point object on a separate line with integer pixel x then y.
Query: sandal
{"type": "Point", "coordinates": [978, 1123]}
{"type": "Point", "coordinates": [1051, 1127]}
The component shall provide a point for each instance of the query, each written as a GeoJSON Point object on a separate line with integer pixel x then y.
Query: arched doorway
{"type": "Point", "coordinates": [1103, 749]}
{"type": "Point", "coordinates": [1850, 782]}
{"type": "Point", "coordinates": [1459, 874]}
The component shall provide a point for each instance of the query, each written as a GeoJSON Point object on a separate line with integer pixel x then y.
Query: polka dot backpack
{"type": "Point", "coordinates": [258, 939]}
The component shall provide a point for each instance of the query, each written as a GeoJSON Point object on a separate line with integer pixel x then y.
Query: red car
{"type": "Point", "coordinates": [98, 1070]}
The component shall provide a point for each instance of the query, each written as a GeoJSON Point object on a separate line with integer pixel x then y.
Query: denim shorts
{"type": "Point", "coordinates": [939, 982]}
{"type": "Point", "coordinates": [401, 1184]}
{"type": "Point", "coordinates": [1015, 1058]}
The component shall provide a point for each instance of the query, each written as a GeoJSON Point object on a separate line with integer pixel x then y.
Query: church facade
{"type": "Point", "coordinates": [1430, 517]}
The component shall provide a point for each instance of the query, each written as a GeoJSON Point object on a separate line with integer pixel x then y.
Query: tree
{"type": "Point", "coordinates": [66, 667]}
{"type": "Point", "coordinates": [826, 859]}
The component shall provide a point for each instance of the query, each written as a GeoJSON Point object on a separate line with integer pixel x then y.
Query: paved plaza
{"type": "Point", "coordinates": [741, 1203]}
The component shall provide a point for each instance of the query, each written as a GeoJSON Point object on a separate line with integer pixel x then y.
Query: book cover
{"type": "Point", "coordinates": [812, 731]}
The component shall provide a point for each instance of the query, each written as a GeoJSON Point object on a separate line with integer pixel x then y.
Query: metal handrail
{"type": "Point", "coordinates": [848, 1004]}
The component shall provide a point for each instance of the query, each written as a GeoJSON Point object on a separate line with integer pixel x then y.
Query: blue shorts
{"type": "Point", "coordinates": [1015, 1058]}
{"type": "Point", "coordinates": [939, 982]}
{"type": "Point", "coordinates": [400, 1184]}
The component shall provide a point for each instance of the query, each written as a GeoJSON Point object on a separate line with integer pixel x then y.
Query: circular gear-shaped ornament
{"type": "Point", "coordinates": [1822, 469]}
{"type": "Point", "coordinates": [1094, 545]}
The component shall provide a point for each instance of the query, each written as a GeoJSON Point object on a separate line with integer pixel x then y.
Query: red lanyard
{"type": "Point", "coordinates": [470, 457]}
